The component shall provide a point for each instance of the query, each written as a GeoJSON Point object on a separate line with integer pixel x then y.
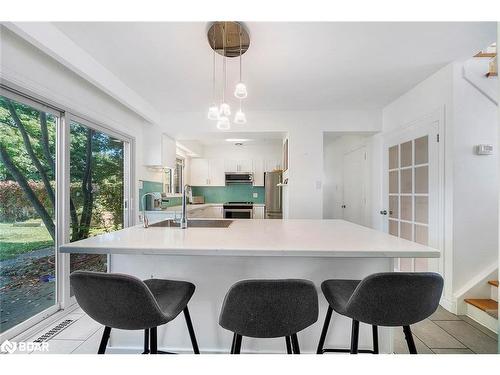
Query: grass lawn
{"type": "Point", "coordinates": [19, 240]}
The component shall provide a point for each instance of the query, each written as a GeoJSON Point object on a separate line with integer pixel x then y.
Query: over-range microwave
{"type": "Point", "coordinates": [239, 178]}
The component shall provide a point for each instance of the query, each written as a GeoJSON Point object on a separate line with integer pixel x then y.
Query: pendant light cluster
{"type": "Point", "coordinates": [218, 39]}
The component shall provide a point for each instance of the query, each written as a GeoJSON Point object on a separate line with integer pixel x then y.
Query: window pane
{"type": "Point", "coordinates": [422, 180]}
{"type": "Point", "coordinates": [421, 150]}
{"type": "Point", "coordinates": [406, 154]}
{"type": "Point", "coordinates": [406, 231]}
{"type": "Point", "coordinates": [422, 209]}
{"type": "Point", "coordinates": [393, 207]}
{"type": "Point", "coordinates": [406, 181]}
{"type": "Point", "coordinates": [406, 209]}
{"type": "Point", "coordinates": [393, 227]}
{"type": "Point", "coordinates": [393, 157]}
{"type": "Point", "coordinates": [97, 190]}
{"type": "Point", "coordinates": [421, 234]}
{"type": "Point", "coordinates": [27, 212]}
{"type": "Point", "coordinates": [394, 182]}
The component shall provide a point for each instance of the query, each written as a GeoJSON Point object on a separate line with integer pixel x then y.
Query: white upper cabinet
{"type": "Point", "coordinates": [216, 172]}
{"type": "Point", "coordinates": [211, 172]}
{"type": "Point", "coordinates": [199, 172]}
{"type": "Point", "coordinates": [159, 149]}
{"type": "Point", "coordinates": [258, 172]}
{"type": "Point", "coordinates": [244, 165]}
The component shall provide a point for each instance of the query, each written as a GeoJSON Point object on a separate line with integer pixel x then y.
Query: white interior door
{"type": "Point", "coordinates": [354, 186]}
{"type": "Point", "coordinates": [411, 189]}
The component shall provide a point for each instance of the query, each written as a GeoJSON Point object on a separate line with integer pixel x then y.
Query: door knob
{"type": "Point", "coordinates": [383, 212]}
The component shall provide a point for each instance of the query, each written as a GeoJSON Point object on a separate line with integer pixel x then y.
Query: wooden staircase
{"type": "Point", "coordinates": [490, 53]}
{"type": "Point", "coordinates": [485, 310]}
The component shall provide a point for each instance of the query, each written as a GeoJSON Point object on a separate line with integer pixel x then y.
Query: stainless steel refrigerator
{"type": "Point", "coordinates": [273, 195]}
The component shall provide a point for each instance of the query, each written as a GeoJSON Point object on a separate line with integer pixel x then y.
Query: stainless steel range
{"type": "Point", "coordinates": [238, 210]}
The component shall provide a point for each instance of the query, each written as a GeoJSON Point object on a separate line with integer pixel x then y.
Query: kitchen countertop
{"type": "Point", "coordinates": [257, 237]}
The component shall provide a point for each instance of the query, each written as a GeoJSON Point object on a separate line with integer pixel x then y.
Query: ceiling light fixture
{"type": "Point", "coordinates": [229, 39]}
{"type": "Point", "coordinates": [241, 90]}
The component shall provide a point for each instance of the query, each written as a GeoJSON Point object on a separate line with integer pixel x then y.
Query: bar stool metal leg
{"type": "Point", "coordinates": [409, 339]}
{"type": "Point", "coordinates": [237, 344]}
{"type": "Point", "coordinates": [146, 341]}
{"type": "Point", "coordinates": [354, 337]}
{"type": "Point", "coordinates": [153, 340]}
{"type": "Point", "coordinates": [288, 345]}
{"type": "Point", "coordinates": [191, 331]}
{"type": "Point", "coordinates": [295, 344]}
{"type": "Point", "coordinates": [104, 340]}
{"type": "Point", "coordinates": [233, 343]}
{"type": "Point", "coordinates": [375, 339]}
{"type": "Point", "coordinates": [325, 330]}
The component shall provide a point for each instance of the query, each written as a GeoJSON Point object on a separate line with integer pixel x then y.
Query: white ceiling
{"type": "Point", "coordinates": [289, 66]}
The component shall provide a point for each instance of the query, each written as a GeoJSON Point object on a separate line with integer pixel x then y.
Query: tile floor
{"type": "Point", "coordinates": [442, 333]}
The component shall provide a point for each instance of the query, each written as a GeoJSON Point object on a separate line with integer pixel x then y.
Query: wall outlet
{"type": "Point", "coordinates": [255, 195]}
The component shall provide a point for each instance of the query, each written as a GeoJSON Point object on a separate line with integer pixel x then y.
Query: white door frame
{"type": "Point", "coordinates": [420, 127]}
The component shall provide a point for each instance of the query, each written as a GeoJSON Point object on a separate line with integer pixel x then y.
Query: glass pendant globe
{"type": "Point", "coordinates": [240, 118]}
{"type": "Point", "coordinates": [225, 110]}
{"type": "Point", "coordinates": [213, 112]}
{"type": "Point", "coordinates": [240, 91]}
{"type": "Point", "coordinates": [223, 123]}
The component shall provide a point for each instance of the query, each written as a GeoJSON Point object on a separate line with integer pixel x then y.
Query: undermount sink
{"type": "Point", "coordinates": [215, 223]}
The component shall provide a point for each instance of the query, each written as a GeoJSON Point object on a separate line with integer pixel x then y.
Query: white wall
{"type": "Point", "coordinates": [470, 181]}
{"type": "Point", "coordinates": [475, 212]}
{"type": "Point", "coordinates": [26, 66]}
{"type": "Point", "coordinates": [335, 146]}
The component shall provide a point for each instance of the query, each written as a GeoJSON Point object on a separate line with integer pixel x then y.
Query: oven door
{"type": "Point", "coordinates": [238, 213]}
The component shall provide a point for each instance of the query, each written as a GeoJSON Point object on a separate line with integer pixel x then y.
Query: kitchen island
{"type": "Point", "coordinates": [215, 258]}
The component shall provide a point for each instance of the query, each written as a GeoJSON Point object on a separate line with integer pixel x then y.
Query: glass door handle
{"type": "Point", "coordinates": [383, 212]}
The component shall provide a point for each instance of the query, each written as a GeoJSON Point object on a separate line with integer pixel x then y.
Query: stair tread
{"type": "Point", "coordinates": [485, 54]}
{"type": "Point", "coordinates": [493, 282]}
{"type": "Point", "coordinates": [486, 305]}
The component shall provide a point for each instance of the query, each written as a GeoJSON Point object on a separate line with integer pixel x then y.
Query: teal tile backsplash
{"type": "Point", "coordinates": [233, 193]}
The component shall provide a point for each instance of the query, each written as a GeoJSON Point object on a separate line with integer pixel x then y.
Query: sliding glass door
{"type": "Point", "coordinates": [27, 210]}
{"type": "Point", "coordinates": [97, 189]}
{"type": "Point", "coordinates": [62, 178]}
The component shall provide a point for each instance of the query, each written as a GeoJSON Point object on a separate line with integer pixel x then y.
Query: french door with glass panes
{"type": "Point", "coordinates": [411, 189]}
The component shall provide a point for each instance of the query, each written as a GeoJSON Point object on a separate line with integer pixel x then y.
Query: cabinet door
{"type": "Point", "coordinates": [230, 165]}
{"type": "Point", "coordinates": [258, 173]}
{"type": "Point", "coordinates": [199, 172]}
{"type": "Point", "coordinates": [245, 166]}
{"type": "Point", "coordinates": [216, 172]}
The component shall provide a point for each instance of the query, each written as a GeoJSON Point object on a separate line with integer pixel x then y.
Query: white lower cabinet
{"type": "Point", "coordinates": [258, 212]}
{"type": "Point", "coordinates": [208, 212]}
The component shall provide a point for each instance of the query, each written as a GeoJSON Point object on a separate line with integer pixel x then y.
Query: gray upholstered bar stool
{"type": "Point", "coordinates": [392, 299]}
{"type": "Point", "coordinates": [269, 309]}
{"type": "Point", "coordinates": [126, 302]}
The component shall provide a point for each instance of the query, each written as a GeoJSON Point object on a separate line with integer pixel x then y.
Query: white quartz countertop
{"type": "Point", "coordinates": [257, 237]}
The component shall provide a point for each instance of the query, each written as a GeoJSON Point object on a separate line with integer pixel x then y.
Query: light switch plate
{"type": "Point", "coordinates": [255, 195]}
{"type": "Point", "coordinates": [140, 184]}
